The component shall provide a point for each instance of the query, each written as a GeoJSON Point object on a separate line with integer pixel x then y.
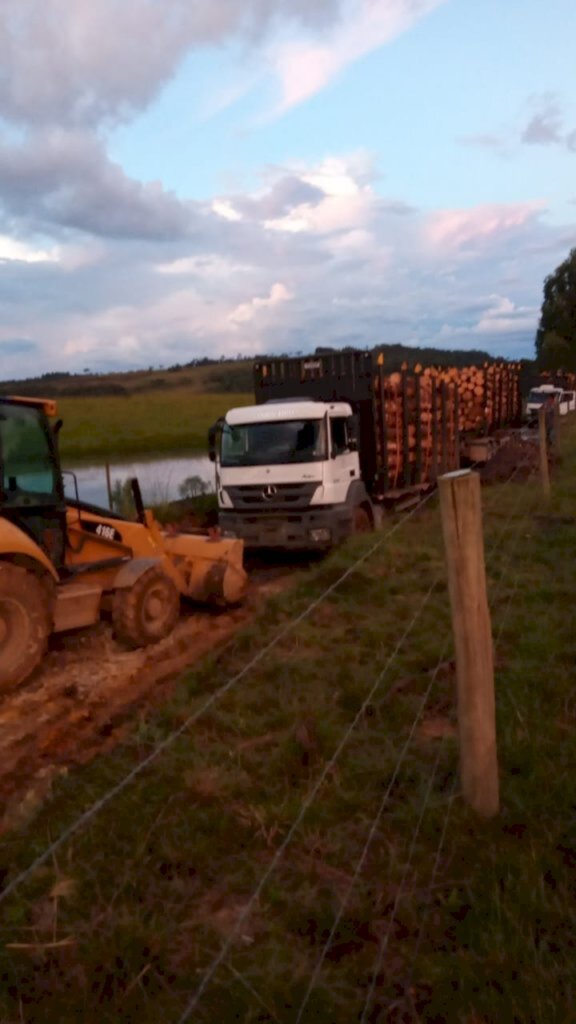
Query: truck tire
{"type": "Point", "coordinates": [362, 520]}
{"type": "Point", "coordinates": [148, 611]}
{"type": "Point", "coordinates": [24, 624]}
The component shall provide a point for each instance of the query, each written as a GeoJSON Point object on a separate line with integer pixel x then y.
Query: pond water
{"type": "Point", "coordinates": [160, 477]}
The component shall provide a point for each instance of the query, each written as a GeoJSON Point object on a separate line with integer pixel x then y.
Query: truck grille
{"type": "Point", "coordinates": [271, 496]}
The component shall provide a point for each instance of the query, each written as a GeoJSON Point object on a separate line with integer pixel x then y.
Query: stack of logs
{"type": "Point", "coordinates": [416, 427]}
{"type": "Point", "coordinates": [420, 417]}
{"type": "Point", "coordinates": [489, 397]}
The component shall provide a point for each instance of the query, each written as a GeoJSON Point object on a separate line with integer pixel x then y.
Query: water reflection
{"type": "Point", "coordinates": [160, 478]}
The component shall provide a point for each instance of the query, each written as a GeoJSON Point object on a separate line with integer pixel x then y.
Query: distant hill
{"type": "Point", "coordinates": [217, 376]}
{"type": "Point", "coordinates": [202, 375]}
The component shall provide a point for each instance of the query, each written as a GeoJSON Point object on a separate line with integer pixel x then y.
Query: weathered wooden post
{"type": "Point", "coordinates": [543, 442]}
{"type": "Point", "coordinates": [464, 543]}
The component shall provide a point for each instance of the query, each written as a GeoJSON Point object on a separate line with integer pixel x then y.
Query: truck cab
{"type": "Point", "coordinates": [539, 396]}
{"type": "Point", "coordinates": [288, 474]}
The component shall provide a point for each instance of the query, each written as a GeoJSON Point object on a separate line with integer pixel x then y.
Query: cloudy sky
{"type": "Point", "coordinates": [181, 178]}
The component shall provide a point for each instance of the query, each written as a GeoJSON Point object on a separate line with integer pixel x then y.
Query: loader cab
{"type": "Point", "coordinates": [31, 489]}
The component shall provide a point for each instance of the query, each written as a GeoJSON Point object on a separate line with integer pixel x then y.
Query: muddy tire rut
{"type": "Point", "coordinates": [90, 691]}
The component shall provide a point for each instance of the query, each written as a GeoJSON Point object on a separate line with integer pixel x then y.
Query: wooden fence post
{"type": "Point", "coordinates": [464, 543]}
{"type": "Point", "coordinates": [544, 467]}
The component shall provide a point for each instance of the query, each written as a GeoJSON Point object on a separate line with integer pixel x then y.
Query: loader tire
{"type": "Point", "coordinates": [148, 611]}
{"type": "Point", "coordinates": [24, 624]}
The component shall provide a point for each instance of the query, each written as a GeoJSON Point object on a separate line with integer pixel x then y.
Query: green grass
{"type": "Point", "coordinates": [155, 421]}
{"type": "Point", "coordinates": [151, 889]}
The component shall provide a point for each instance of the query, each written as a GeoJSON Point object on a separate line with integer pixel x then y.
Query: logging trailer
{"type": "Point", "coordinates": [333, 440]}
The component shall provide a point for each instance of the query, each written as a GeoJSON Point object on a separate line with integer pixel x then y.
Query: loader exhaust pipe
{"type": "Point", "coordinates": [137, 498]}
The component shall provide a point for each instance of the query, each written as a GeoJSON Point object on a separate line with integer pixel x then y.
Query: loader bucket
{"type": "Point", "coordinates": [210, 567]}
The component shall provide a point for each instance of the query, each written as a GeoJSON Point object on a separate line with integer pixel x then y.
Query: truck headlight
{"type": "Point", "coordinates": [321, 534]}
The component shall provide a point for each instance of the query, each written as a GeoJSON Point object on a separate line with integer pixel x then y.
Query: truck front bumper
{"type": "Point", "coordinates": [309, 530]}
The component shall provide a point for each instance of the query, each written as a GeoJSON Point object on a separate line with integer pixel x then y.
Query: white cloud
{"type": "Point", "coordinates": [225, 209]}
{"type": "Point", "coordinates": [12, 249]}
{"type": "Point", "coordinates": [500, 306]}
{"type": "Point", "coordinates": [501, 325]}
{"type": "Point", "coordinates": [504, 315]}
{"type": "Point", "coordinates": [82, 62]}
{"type": "Point", "coordinates": [96, 262]}
{"type": "Point", "coordinates": [305, 68]}
{"type": "Point", "coordinates": [201, 267]}
{"type": "Point", "coordinates": [460, 228]}
{"type": "Point", "coordinates": [342, 201]}
{"type": "Point", "coordinates": [367, 269]}
{"type": "Point", "coordinates": [246, 311]}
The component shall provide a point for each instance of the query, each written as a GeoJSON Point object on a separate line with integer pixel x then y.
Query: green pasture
{"type": "Point", "coordinates": [149, 422]}
{"type": "Point", "coordinates": [320, 790]}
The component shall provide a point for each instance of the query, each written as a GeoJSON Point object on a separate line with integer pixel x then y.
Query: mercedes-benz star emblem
{"type": "Point", "coordinates": [269, 492]}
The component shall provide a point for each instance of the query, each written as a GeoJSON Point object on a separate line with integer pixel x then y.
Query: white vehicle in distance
{"type": "Point", "coordinates": [567, 402]}
{"type": "Point", "coordinates": [538, 397]}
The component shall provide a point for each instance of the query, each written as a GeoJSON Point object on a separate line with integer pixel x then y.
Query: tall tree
{"type": "Point", "coordinates": [556, 334]}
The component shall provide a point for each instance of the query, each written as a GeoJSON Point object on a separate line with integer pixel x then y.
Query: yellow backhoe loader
{"type": "Point", "coordinates": [63, 562]}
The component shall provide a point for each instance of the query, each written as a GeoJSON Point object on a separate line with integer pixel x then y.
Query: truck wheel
{"type": "Point", "coordinates": [362, 520]}
{"type": "Point", "coordinates": [24, 624]}
{"type": "Point", "coordinates": [148, 611]}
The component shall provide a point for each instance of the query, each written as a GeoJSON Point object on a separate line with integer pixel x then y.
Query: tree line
{"type": "Point", "coordinates": [556, 334]}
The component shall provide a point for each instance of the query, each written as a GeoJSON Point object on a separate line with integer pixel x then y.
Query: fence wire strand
{"type": "Point", "coordinates": [433, 876]}
{"type": "Point", "coordinates": [371, 834]}
{"type": "Point", "coordinates": [159, 749]}
{"type": "Point", "coordinates": [408, 864]}
{"type": "Point", "coordinates": [306, 804]}
{"type": "Point", "coordinates": [381, 809]}
{"type": "Point", "coordinates": [94, 809]}
{"type": "Point", "coordinates": [191, 1006]}
{"type": "Point", "coordinates": [452, 797]}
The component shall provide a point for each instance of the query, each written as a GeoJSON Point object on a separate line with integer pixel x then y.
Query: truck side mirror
{"type": "Point", "coordinates": [213, 432]}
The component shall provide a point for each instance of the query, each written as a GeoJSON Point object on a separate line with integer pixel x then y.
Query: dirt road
{"type": "Point", "coordinates": [90, 691]}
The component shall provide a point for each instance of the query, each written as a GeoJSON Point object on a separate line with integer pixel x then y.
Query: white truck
{"type": "Point", "coordinates": [327, 445]}
{"type": "Point", "coordinates": [288, 475]}
{"type": "Point", "coordinates": [566, 400]}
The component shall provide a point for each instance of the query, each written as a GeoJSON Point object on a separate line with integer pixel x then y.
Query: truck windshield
{"type": "Point", "coordinates": [27, 468]}
{"type": "Point", "coordinates": [262, 444]}
{"type": "Point", "coordinates": [537, 397]}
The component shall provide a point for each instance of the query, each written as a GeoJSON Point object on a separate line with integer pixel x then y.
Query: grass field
{"type": "Point", "coordinates": [150, 422]}
{"type": "Point", "coordinates": [387, 896]}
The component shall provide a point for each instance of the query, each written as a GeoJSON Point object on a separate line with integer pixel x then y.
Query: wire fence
{"type": "Point", "coordinates": [306, 804]}
{"type": "Point", "coordinates": [194, 1003]}
{"type": "Point", "coordinates": [220, 958]}
{"type": "Point", "coordinates": [212, 699]}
